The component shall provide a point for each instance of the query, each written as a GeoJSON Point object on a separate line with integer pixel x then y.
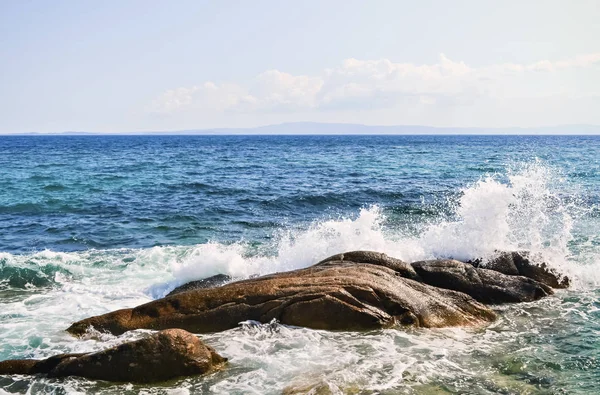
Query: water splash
{"type": "Point", "coordinates": [520, 210]}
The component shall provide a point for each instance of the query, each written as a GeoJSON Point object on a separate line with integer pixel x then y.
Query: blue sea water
{"type": "Point", "coordinates": [89, 224]}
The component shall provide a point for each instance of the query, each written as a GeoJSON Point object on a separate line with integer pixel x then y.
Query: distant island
{"type": "Point", "coordinates": [316, 128]}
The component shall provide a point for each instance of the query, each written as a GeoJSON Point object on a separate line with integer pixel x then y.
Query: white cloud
{"type": "Point", "coordinates": [273, 89]}
{"type": "Point", "coordinates": [370, 84]}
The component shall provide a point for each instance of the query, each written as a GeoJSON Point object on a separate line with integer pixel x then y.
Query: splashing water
{"type": "Point", "coordinates": [525, 211]}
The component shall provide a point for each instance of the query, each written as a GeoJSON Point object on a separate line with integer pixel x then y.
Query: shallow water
{"type": "Point", "coordinates": [92, 224]}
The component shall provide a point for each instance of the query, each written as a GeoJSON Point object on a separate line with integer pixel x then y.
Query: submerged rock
{"type": "Point", "coordinates": [486, 286]}
{"type": "Point", "coordinates": [209, 282]}
{"type": "Point", "coordinates": [161, 356]}
{"type": "Point", "coordinates": [334, 294]}
{"type": "Point", "coordinates": [522, 263]}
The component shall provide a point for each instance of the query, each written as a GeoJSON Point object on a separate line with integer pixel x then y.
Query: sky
{"type": "Point", "coordinates": [129, 66]}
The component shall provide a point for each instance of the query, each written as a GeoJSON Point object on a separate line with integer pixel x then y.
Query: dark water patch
{"type": "Point", "coordinates": [180, 218]}
{"type": "Point", "coordinates": [164, 228]}
{"type": "Point", "coordinates": [191, 185]}
{"type": "Point", "coordinates": [144, 219]}
{"type": "Point", "coordinates": [110, 177]}
{"type": "Point", "coordinates": [54, 230]}
{"type": "Point", "coordinates": [54, 187]}
{"type": "Point", "coordinates": [355, 174]}
{"type": "Point", "coordinates": [22, 208]}
{"type": "Point", "coordinates": [386, 195]}
{"type": "Point", "coordinates": [195, 173]}
{"type": "Point", "coordinates": [484, 169]}
{"type": "Point", "coordinates": [40, 177]}
{"type": "Point", "coordinates": [226, 191]}
{"type": "Point", "coordinates": [255, 224]}
{"type": "Point", "coordinates": [50, 165]}
{"type": "Point", "coordinates": [412, 210]}
{"type": "Point", "coordinates": [305, 200]}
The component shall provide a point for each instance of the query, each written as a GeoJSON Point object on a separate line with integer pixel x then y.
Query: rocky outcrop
{"type": "Point", "coordinates": [485, 286]}
{"type": "Point", "coordinates": [522, 263]}
{"type": "Point", "coordinates": [159, 357]}
{"type": "Point", "coordinates": [334, 294]}
{"type": "Point", "coordinates": [209, 282]}
{"type": "Point", "coordinates": [358, 290]}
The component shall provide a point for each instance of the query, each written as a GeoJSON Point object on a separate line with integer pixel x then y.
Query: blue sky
{"type": "Point", "coordinates": [119, 66]}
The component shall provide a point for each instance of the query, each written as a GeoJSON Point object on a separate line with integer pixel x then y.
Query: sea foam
{"type": "Point", "coordinates": [524, 209]}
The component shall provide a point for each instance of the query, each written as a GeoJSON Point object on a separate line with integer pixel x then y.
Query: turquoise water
{"type": "Point", "coordinates": [89, 224]}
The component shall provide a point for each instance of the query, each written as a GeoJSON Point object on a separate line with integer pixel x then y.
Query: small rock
{"type": "Point", "coordinates": [159, 357]}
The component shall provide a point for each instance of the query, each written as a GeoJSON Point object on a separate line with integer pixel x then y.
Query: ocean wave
{"type": "Point", "coordinates": [54, 187]}
{"type": "Point", "coordinates": [29, 277]}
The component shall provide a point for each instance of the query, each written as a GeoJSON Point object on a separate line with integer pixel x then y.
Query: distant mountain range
{"type": "Point", "coordinates": [300, 128]}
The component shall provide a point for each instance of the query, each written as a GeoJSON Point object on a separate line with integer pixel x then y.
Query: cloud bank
{"type": "Point", "coordinates": [380, 84]}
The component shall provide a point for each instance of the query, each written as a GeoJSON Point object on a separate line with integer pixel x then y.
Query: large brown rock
{"type": "Point", "coordinates": [336, 295]}
{"type": "Point", "coordinates": [161, 356]}
{"type": "Point", "coordinates": [485, 286]}
{"type": "Point", "coordinates": [522, 263]}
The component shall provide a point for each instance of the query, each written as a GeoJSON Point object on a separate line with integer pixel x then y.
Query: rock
{"type": "Point", "coordinates": [336, 295]}
{"type": "Point", "coordinates": [522, 263]}
{"type": "Point", "coordinates": [209, 282]}
{"type": "Point", "coordinates": [485, 286]}
{"type": "Point", "coordinates": [33, 366]}
{"type": "Point", "coordinates": [18, 366]}
{"type": "Point", "coordinates": [374, 258]}
{"type": "Point", "coordinates": [159, 357]}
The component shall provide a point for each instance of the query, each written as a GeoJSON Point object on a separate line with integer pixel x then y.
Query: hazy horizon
{"type": "Point", "coordinates": [323, 128]}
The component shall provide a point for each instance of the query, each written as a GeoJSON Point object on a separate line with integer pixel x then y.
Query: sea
{"type": "Point", "coordinates": [91, 224]}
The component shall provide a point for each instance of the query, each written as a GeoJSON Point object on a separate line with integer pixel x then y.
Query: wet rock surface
{"type": "Point", "coordinates": [523, 263]}
{"type": "Point", "coordinates": [374, 258]}
{"type": "Point", "coordinates": [485, 286]}
{"type": "Point", "coordinates": [333, 295]}
{"type": "Point", "coordinates": [209, 282]}
{"type": "Point", "coordinates": [357, 290]}
{"type": "Point", "coordinates": [159, 357]}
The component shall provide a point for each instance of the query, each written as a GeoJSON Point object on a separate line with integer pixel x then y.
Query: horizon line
{"type": "Point", "coordinates": [264, 130]}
